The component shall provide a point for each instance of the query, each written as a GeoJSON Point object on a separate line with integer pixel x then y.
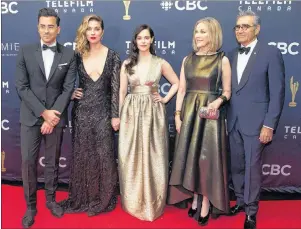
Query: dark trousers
{"type": "Point", "coordinates": [246, 168]}
{"type": "Point", "coordinates": [31, 138]}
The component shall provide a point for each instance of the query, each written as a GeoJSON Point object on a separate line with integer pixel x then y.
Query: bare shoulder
{"type": "Point", "coordinates": [225, 60]}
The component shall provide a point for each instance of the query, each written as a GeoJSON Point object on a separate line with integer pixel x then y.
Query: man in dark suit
{"type": "Point", "coordinates": [45, 78]}
{"type": "Point", "coordinates": [258, 83]}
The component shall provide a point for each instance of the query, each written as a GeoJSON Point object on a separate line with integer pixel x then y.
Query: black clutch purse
{"type": "Point", "coordinates": [207, 113]}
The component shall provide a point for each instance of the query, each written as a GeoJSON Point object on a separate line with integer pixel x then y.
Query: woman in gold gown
{"type": "Point", "coordinates": [199, 167]}
{"type": "Point", "coordinates": [143, 138]}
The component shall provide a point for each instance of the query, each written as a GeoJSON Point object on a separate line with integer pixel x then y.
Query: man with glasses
{"type": "Point", "coordinates": [45, 77]}
{"type": "Point", "coordinates": [254, 110]}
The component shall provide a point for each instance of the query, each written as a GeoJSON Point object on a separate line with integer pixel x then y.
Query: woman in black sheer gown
{"type": "Point", "coordinates": [93, 178]}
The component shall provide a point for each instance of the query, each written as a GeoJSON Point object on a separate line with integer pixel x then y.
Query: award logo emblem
{"type": "Point", "coordinates": [126, 17]}
{"type": "Point", "coordinates": [294, 88]}
{"type": "Point", "coordinates": [3, 169]}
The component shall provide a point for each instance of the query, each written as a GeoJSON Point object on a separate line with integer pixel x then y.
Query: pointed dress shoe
{"type": "Point", "coordinates": [55, 209]}
{"type": "Point", "coordinates": [236, 209]}
{"type": "Point", "coordinates": [28, 219]}
{"type": "Point", "coordinates": [250, 222]}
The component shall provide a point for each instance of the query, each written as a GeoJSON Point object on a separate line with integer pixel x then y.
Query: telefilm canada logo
{"type": "Point", "coordinates": [184, 5]}
{"type": "Point", "coordinates": [71, 6]}
{"type": "Point", "coordinates": [162, 47]}
{"type": "Point", "coordinates": [10, 49]}
{"type": "Point", "coordinates": [265, 6]}
{"type": "Point", "coordinates": [292, 132]}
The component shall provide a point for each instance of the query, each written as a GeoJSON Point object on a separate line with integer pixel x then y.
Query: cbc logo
{"type": "Point", "coordinates": [276, 170]}
{"type": "Point", "coordinates": [72, 44]}
{"type": "Point", "coordinates": [286, 48]}
{"type": "Point", "coordinates": [184, 5]}
{"type": "Point", "coordinates": [164, 88]}
{"type": "Point", "coordinates": [4, 124]}
{"type": "Point", "coordinates": [9, 7]}
{"type": "Point", "coordinates": [61, 162]}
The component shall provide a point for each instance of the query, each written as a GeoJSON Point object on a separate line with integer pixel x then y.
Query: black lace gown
{"type": "Point", "coordinates": [93, 178]}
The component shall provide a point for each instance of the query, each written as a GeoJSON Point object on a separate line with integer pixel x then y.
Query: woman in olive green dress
{"type": "Point", "coordinates": [199, 167]}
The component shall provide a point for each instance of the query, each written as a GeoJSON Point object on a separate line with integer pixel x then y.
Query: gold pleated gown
{"type": "Point", "coordinates": [143, 147]}
{"type": "Point", "coordinates": [200, 157]}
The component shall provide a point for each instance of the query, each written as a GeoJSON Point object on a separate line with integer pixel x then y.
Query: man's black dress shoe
{"type": "Point", "coordinates": [250, 222]}
{"type": "Point", "coordinates": [191, 212]}
{"type": "Point", "coordinates": [55, 209]}
{"type": "Point", "coordinates": [28, 219]}
{"type": "Point", "coordinates": [236, 209]}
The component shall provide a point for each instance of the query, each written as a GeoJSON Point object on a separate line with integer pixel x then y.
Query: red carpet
{"type": "Point", "coordinates": [272, 214]}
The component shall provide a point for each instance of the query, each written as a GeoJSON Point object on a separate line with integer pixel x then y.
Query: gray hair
{"type": "Point", "coordinates": [242, 13]}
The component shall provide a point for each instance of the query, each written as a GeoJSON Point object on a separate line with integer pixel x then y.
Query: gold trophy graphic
{"type": "Point", "coordinates": [3, 169]}
{"type": "Point", "coordinates": [126, 17]}
{"type": "Point", "coordinates": [294, 88]}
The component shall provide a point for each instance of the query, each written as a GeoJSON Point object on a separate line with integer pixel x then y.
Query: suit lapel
{"type": "Point", "coordinates": [234, 69]}
{"type": "Point", "coordinates": [39, 58]}
{"type": "Point", "coordinates": [248, 68]}
{"type": "Point", "coordinates": [56, 61]}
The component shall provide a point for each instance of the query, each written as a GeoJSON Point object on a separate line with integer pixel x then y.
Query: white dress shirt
{"type": "Point", "coordinates": [243, 59]}
{"type": "Point", "coordinates": [48, 57]}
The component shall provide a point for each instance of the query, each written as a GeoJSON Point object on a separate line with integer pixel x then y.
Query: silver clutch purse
{"type": "Point", "coordinates": [206, 113]}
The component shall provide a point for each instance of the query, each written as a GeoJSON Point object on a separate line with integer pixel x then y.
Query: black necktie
{"type": "Point", "coordinates": [244, 50]}
{"type": "Point", "coordinates": [45, 47]}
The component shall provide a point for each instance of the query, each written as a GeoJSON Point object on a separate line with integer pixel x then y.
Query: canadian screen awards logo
{"type": "Point", "coordinates": [184, 5]}
{"type": "Point", "coordinates": [3, 169]}
{"type": "Point", "coordinates": [71, 6]}
{"type": "Point", "coordinates": [294, 86]}
{"type": "Point", "coordinates": [266, 6]}
{"type": "Point", "coordinates": [10, 49]}
{"type": "Point", "coordinates": [126, 16]}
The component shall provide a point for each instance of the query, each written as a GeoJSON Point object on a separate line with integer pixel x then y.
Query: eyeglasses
{"type": "Point", "coordinates": [49, 28]}
{"type": "Point", "coordinates": [244, 27]}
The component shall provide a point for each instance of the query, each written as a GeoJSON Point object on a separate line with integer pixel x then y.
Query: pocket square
{"type": "Point", "coordinates": [62, 64]}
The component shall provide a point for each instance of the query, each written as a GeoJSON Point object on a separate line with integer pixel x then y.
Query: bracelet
{"type": "Point", "coordinates": [224, 98]}
{"type": "Point", "coordinates": [177, 113]}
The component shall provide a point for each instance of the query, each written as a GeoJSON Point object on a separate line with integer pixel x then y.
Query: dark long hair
{"type": "Point", "coordinates": [134, 53]}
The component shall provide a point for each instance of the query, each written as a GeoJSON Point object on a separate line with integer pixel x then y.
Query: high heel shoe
{"type": "Point", "coordinates": [203, 221]}
{"type": "Point", "coordinates": [191, 212]}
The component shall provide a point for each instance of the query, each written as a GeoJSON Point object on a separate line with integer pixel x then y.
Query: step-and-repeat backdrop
{"type": "Point", "coordinates": [173, 23]}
